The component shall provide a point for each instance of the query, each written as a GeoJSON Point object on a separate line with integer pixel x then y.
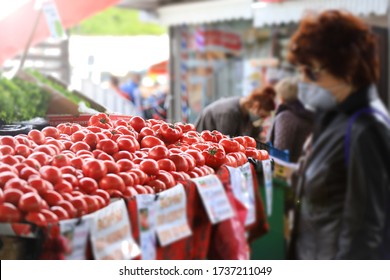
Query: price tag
{"type": "Point", "coordinates": [171, 215]}
{"type": "Point", "coordinates": [244, 192]}
{"type": "Point", "coordinates": [267, 170]}
{"type": "Point", "coordinates": [76, 232]}
{"type": "Point", "coordinates": [53, 20]}
{"type": "Point", "coordinates": [214, 198]}
{"type": "Point", "coordinates": [146, 208]}
{"type": "Point", "coordinates": [111, 233]}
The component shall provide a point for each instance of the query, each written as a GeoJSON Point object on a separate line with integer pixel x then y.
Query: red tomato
{"type": "Point", "coordinates": [23, 150]}
{"type": "Point", "coordinates": [125, 165]}
{"type": "Point", "coordinates": [100, 200]}
{"type": "Point", "coordinates": [57, 143]}
{"type": "Point", "coordinates": [60, 212]}
{"type": "Point", "coordinates": [37, 136]}
{"type": "Point", "coordinates": [91, 139]}
{"type": "Point", "coordinates": [41, 185]}
{"type": "Point", "coordinates": [41, 157]}
{"type": "Point", "coordinates": [137, 123]}
{"type": "Point", "coordinates": [114, 193]}
{"type": "Point", "coordinates": [63, 187]}
{"type": "Point", "coordinates": [9, 160]}
{"type": "Point", "coordinates": [72, 179]}
{"type": "Point", "coordinates": [253, 153]}
{"type": "Point", "coordinates": [5, 176]}
{"type": "Point", "coordinates": [149, 166]}
{"type": "Point", "coordinates": [77, 163]}
{"type": "Point", "coordinates": [51, 173]}
{"type": "Point", "coordinates": [197, 155]}
{"type": "Point", "coordinates": [127, 144]}
{"type": "Point", "coordinates": [8, 141]}
{"type": "Point", "coordinates": [94, 129]}
{"type": "Point", "coordinates": [36, 218]}
{"type": "Point", "coordinates": [166, 178]}
{"type": "Point", "coordinates": [79, 146]}
{"type": "Point", "coordinates": [211, 136]}
{"type": "Point", "coordinates": [150, 142]}
{"type": "Point", "coordinates": [180, 162]}
{"type": "Point", "coordinates": [190, 139]}
{"type": "Point", "coordinates": [122, 155]}
{"type": "Point", "coordinates": [139, 175]}
{"type": "Point", "coordinates": [112, 181]}
{"type": "Point", "coordinates": [250, 142]}
{"type": "Point", "coordinates": [26, 172]}
{"type": "Point", "coordinates": [94, 169]}
{"type": "Point", "coordinates": [9, 213]}
{"type": "Point", "coordinates": [108, 146]}
{"type": "Point", "coordinates": [60, 160]}
{"type": "Point", "coordinates": [190, 160]}
{"type": "Point", "coordinates": [52, 197]}
{"type": "Point", "coordinates": [88, 185]}
{"type": "Point", "coordinates": [170, 133]}
{"type": "Point", "coordinates": [50, 216]}
{"type": "Point", "coordinates": [51, 131]}
{"type": "Point", "coordinates": [45, 149]}
{"type": "Point", "coordinates": [68, 170]}
{"type": "Point", "coordinates": [178, 176]}
{"type": "Point", "coordinates": [92, 204]}
{"type": "Point", "coordinates": [30, 202]}
{"type": "Point", "coordinates": [230, 145]}
{"type": "Point", "coordinates": [231, 161]}
{"type": "Point", "coordinates": [185, 127]}
{"type": "Point", "coordinates": [103, 194]}
{"type": "Point", "coordinates": [12, 196]}
{"type": "Point", "coordinates": [146, 131]}
{"type": "Point", "coordinates": [166, 164]}
{"type": "Point", "coordinates": [68, 128]}
{"type": "Point", "coordinates": [141, 189]}
{"type": "Point", "coordinates": [72, 212]}
{"type": "Point", "coordinates": [7, 150]}
{"type": "Point", "coordinates": [158, 152]}
{"type": "Point", "coordinates": [112, 166]}
{"type": "Point", "coordinates": [104, 156]}
{"type": "Point", "coordinates": [264, 154]}
{"type": "Point", "coordinates": [80, 205]}
{"type": "Point", "coordinates": [214, 157]}
{"type": "Point", "coordinates": [127, 178]}
{"type": "Point", "coordinates": [157, 185]}
{"type": "Point", "coordinates": [100, 120]}
{"type": "Point", "coordinates": [130, 192]}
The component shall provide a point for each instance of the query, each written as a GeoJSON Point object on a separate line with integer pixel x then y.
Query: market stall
{"type": "Point", "coordinates": [121, 187]}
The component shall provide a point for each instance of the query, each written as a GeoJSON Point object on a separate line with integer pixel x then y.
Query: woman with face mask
{"type": "Point", "coordinates": [234, 116]}
{"type": "Point", "coordinates": [343, 192]}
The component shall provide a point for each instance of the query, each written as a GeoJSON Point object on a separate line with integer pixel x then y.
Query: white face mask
{"type": "Point", "coordinates": [315, 98]}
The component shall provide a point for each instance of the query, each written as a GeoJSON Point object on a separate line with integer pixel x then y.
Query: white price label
{"type": "Point", "coordinates": [214, 198]}
{"type": "Point", "coordinates": [267, 170]}
{"type": "Point", "coordinates": [53, 20]}
{"type": "Point", "coordinates": [146, 209]}
{"type": "Point", "coordinates": [171, 215]}
{"type": "Point", "coordinates": [111, 235]}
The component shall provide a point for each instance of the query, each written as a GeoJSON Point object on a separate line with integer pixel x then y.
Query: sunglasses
{"type": "Point", "coordinates": [310, 73]}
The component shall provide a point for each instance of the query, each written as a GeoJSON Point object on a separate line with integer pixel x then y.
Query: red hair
{"type": "Point", "coordinates": [341, 43]}
{"type": "Point", "coordinates": [265, 96]}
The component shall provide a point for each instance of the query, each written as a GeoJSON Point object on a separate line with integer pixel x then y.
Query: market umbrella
{"type": "Point", "coordinates": [24, 25]}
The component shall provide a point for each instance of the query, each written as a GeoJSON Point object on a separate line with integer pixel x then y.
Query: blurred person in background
{"type": "Point", "coordinates": [342, 193]}
{"type": "Point", "coordinates": [132, 89]}
{"type": "Point", "coordinates": [292, 122]}
{"type": "Point", "coordinates": [234, 116]}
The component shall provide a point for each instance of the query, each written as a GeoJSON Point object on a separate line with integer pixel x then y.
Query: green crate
{"type": "Point", "coordinates": [272, 246]}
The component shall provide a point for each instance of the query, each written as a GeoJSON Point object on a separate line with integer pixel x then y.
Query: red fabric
{"type": "Point", "coordinates": [15, 29]}
{"type": "Point", "coordinates": [228, 240]}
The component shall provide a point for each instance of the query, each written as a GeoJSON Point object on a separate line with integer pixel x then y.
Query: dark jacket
{"type": "Point", "coordinates": [342, 204]}
{"type": "Point", "coordinates": [292, 125]}
{"type": "Point", "coordinates": [225, 116]}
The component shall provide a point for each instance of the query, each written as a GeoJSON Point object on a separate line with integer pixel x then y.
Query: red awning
{"type": "Point", "coordinates": [160, 68]}
{"type": "Point", "coordinates": [16, 27]}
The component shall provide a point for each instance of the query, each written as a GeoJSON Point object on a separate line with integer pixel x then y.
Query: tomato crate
{"type": "Point", "coordinates": [81, 119]}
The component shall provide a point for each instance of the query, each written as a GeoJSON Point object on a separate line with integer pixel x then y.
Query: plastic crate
{"type": "Point", "coordinates": [274, 152]}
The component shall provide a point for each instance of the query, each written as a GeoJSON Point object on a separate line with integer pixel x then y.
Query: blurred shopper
{"type": "Point", "coordinates": [342, 203]}
{"type": "Point", "coordinates": [234, 116]}
{"type": "Point", "coordinates": [292, 123]}
{"type": "Point", "coordinates": [114, 85]}
{"type": "Point", "coordinates": [132, 89]}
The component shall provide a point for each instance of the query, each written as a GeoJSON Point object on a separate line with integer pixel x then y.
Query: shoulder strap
{"type": "Point", "coordinates": [352, 120]}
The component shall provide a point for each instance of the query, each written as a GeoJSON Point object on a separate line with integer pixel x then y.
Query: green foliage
{"type": "Point", "coordinates": [117, 22]}
{"type": "Point", "coordinates": [21, 100]}
{"type": "Point", "coordinates": [59, 88]}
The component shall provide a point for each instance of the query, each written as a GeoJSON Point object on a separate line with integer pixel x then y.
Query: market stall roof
{"type": "Point", "coordinates": [16, 25]}
{"type": "Point", "coordinates": [292, 10]}
{"type": "Point", "coordinates": [204, 11]}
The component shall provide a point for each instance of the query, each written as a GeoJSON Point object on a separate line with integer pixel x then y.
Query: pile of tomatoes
{"type": "Point", "coordinates": [69, 171]}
